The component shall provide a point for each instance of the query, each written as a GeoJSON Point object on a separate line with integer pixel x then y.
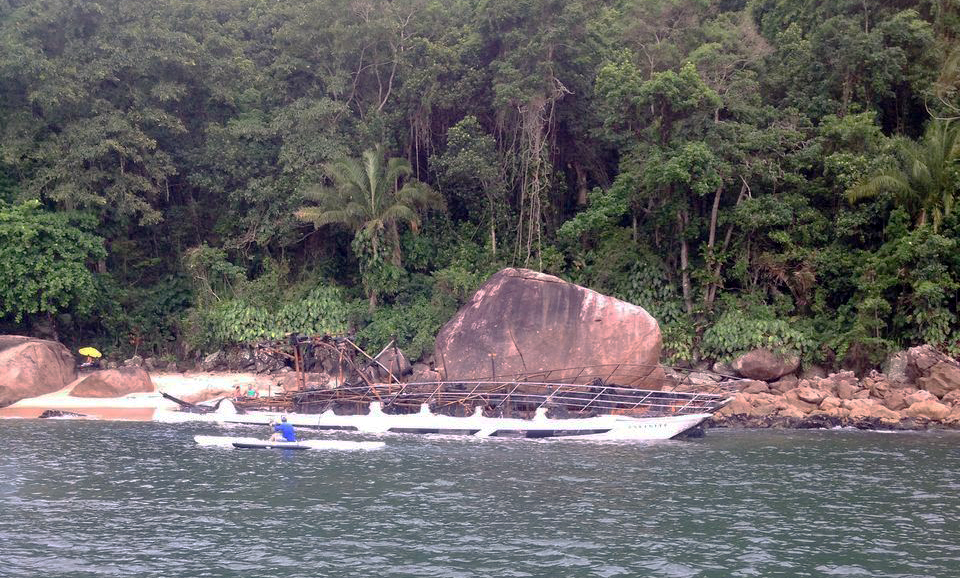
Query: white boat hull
{"type": "Point", "coordinates": [602, 427]}
{"type": "Point", "coordinates": [248, 442]}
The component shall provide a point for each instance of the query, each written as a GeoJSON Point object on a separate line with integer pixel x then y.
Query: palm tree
{"type": "Point", "coordinates": [947, 86]}
{"type": "Point", "coordinates": [371, 196]}
{"type": "Point", "coordinates": [926, 181]}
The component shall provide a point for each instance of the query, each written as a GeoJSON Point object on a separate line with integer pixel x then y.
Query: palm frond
{"type": "Point", "coordinates": [348, 178]}
{"type": "Point", "coordinates": [346, 216]}
{"type": "Point", "coordinates": [320, 194]}
{"type": "Point", "coordinates": [397, 168]}
{"type": "Point", "coordinates": [372, 171]}
{"type": "Point", "coordinates": [308, 214]}
{"type": "Point", "coordinates": [401, 212]}
{"type": "Point", "coordinates": [421, 195]}
{"type": "Point", "coordinates": [947, 86]}
{"type": "Point", "coordinates": [889, 181]}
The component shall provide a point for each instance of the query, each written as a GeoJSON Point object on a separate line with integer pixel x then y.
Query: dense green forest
{"type": "Point", "coordinates": [178, 176]}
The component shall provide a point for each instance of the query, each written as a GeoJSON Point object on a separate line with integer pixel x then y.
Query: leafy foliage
{"type": "Point", "coordinates": [322, 311]}
{"type": "Point", "coordinates": [414, 326]}
{"type": "Point", "coordinates": [46, 258]}
{"type": "Point", "coordinates": [738, 331]}
{"type": "Point", "coordinates": [752, 173]}
{"type": "Point", "coordinates": [367, 197]}
{"type": "Point", "coordinates": [928, 179]}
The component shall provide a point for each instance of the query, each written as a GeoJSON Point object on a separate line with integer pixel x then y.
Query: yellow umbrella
{"type": "Point", "coordinates": [89, 352]}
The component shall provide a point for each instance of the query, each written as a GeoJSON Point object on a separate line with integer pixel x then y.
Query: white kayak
{"type": "Point", "coordinates": [257, 443]}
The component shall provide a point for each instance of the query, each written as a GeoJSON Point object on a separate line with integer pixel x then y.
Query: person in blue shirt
{"type": "Point", "coordinates": [284, 431]}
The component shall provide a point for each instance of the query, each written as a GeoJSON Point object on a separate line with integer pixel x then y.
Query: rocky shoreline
{"type": "Point", "coordinates": [919, 390]}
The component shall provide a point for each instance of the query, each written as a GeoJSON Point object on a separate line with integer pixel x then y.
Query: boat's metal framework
{"type": "Point", "coordinates": [368, 396]}
{"type": "Point", "coordinates": [507, 399]}
{"type": "Point", "coordinates": [563, 394]}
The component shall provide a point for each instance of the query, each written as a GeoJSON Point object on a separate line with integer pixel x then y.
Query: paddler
{"type": "Point", "coordinates": [283, 431]}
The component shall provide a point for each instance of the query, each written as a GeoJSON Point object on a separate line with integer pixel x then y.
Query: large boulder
{"type": "Point", "coordinates": [751, 406]}
{"type": "Point", "coordinates": [30, 367]}
{"type": "Point", "coordinates": [114, 383]}
{"type": "Point", "coordinates": [916, 362]}
{"type": "Point", "coordinates": [846, 389]}
{"type": "Point", "coordinates": [896, 368]}
{"type": "Point", "coordinates": [739, 406]}
{"type": "Point", "coordinates": [765, 364]}
{"type": "Point", "coordinates": [929, 409]}
{"type": "Point", "coordinates": [311, 380]}
{"type": "Point", "coordinates": [240, 359]}
{"type": "Point", "coordinates": [896, 399]}
{"type": "Point", "coordinates": [811, 395]}
{"type": "Point", "coordinates": [942, 379]}
{"type": "Point", "coordinates": [524, 322]}
{"type": "Point", "coordinates": [920, 396]}
{"type": "Point", "coordinates": [792, 397]}
{"type": "Point", "coordinates": [870, 409]}
{"type": "Point", "coordinates": [785, 384]}
{"type": "Point", "coordinates": [952, 398]}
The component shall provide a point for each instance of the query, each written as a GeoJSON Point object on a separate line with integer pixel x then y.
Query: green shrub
{"type": "Point", "coordinates": [740, 330]}
{"type": "Point", "coordinates": [323, 311]}
{"type": "Point", "coordinates": [414, 326]}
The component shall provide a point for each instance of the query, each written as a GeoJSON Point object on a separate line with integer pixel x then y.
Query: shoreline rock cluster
{"type": "Point", "coordinates": [920, 389]}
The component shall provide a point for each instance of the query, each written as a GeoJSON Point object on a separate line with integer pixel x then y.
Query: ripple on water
{"type": "Point", "coordinates": [141, 499]}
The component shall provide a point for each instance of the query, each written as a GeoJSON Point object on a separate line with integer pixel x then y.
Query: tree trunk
{"type": "Point", "coordinates": [493, 224]}
{"type": "Point", "coordinates": [397, 257]}
{"type": "Point", "coordinates": [581, 184]}
{"type": "Point", "coordinates": [682, 219]}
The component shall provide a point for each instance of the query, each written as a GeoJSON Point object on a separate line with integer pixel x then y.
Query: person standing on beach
{"type": "Point", "coordinates": [283, 431]}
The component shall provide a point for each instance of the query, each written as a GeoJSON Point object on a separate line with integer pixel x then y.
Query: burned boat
{"type": "Point", "coordinates": [582, 403]}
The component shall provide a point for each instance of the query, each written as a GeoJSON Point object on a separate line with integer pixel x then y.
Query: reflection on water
{"type": "Point", "coordinates": [132, 499]}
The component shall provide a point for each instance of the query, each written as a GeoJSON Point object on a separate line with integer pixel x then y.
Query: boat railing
{"type": "Point", "coordinates": [528, 395]}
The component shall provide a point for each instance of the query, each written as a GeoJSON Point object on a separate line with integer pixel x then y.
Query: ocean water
{"type": "Point", "coordinates": [80, 498]}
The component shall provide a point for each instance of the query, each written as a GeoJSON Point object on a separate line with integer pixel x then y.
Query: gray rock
{"type": "Point", "coordinates": [701, 378]}
{"type": "Point", "coordinates": [895, 367]}
{"type": "Point", "coordinates": [214, 361]}
{"type": "Point", "coordinates": [239, 359]}
{"type": "Point", "coordinates": [391, 361]}
{"type": "Point", "coordinates": [724, 369]}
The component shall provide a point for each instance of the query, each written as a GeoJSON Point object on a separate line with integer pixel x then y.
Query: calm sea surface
{"type": "Point", "coordinates": [140, 499]}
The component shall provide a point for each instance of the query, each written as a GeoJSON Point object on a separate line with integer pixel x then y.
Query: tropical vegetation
{"type": "Point", "coordinates": [180, 176]}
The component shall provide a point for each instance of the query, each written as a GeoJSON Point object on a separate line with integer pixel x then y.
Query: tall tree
{"type": "Point", "coordinates": [47, 258]}
{"type": "Point", "coordinates": [371, 195]}
{"type": "Point", "coordinates": [926, 180]}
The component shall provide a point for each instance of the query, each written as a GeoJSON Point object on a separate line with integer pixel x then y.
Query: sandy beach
{"type": "Point", "coordinates": [193, 387]}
